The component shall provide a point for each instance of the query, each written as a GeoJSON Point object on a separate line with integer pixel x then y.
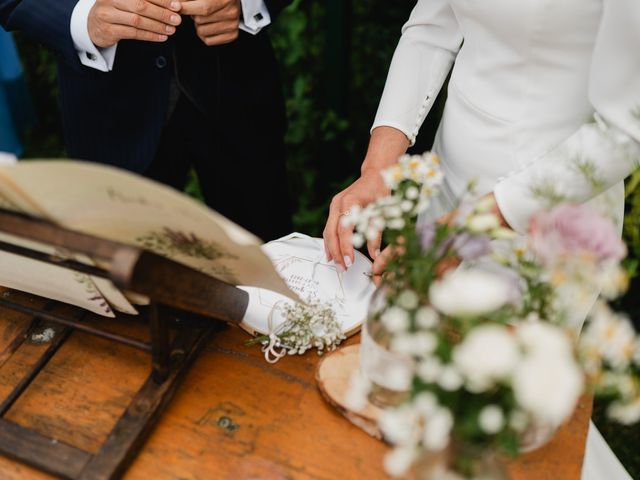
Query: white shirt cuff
{"type": "Point", "coordinates": [91, 56]}
{"type": "Point", "coordinates": [255, 16]}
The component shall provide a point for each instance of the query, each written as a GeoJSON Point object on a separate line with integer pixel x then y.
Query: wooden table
{"type": "Point", "coordinates": [235, 417]}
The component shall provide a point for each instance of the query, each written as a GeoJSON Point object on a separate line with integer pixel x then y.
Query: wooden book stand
{"type": "Point", "coordinates": [174, 291]}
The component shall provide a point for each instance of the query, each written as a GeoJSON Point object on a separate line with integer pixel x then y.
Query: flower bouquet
{"type": "Point", "coordinates": [475, 360]}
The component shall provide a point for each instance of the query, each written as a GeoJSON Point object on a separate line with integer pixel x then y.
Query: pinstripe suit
{"type": "Point", "coordinates": [120, 117]}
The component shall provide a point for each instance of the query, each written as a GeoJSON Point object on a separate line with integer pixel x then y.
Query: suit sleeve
{"type": "Point", "coordinates": [46, 21]}
{"type": "Point", "coordinates": [427, 48]}
{"type": "Point", "coordinates": [601, 153]}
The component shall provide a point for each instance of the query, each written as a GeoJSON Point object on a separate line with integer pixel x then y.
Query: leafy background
{"type": "Point", "coordinates": [334, 56]}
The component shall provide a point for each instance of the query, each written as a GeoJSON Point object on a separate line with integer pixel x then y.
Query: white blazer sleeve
{"type": "Point", "coordinates": [599, 154]}
{"type": "Point", "coordinates": [429, 43]}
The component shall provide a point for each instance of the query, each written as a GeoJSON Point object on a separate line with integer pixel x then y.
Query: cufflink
{"type": "Point", "coordinates": [258, 16]}
{"type": "Point", "coordinates": [91, 56]}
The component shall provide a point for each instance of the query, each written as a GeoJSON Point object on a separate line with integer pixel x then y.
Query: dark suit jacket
{"type": "Point", "coordinates": [117, 117]}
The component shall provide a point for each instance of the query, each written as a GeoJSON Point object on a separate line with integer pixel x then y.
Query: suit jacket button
{"type": "Point", "coordinates": [161, 62]}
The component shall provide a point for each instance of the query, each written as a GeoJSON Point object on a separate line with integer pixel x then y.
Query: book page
{"type": "Point", "coordinates": [48, 280]}
{"type": "Point", "coordinates": [117, 205]}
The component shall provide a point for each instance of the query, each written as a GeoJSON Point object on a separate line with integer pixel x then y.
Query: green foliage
{"type": "Point", "coordinates": [44, 140]}
{"type": "Point", "coordinates": [334, 57]}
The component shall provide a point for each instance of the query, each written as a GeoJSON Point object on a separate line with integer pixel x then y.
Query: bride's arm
{"type": "Point", "coordinates": [424, 55]}
{"type": "Point", "coordinates": [599, 154]}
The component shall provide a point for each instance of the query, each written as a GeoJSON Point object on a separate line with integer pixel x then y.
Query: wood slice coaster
{"type": "Point", "coordinates": [333, 374]}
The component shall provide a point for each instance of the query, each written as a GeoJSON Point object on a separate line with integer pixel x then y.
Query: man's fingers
{"type": "Point", "coordinates": [229, 12]}
{"type": "Point", "coordinates": [130, 33]}
{"type": "Point", "coordinates": [202, 7]}
{"type": "Point", "coordinates": [217, 28]}
{"type": "Point", "coordinates": [147, 9]}
{"type": "Point", "coordinates": [174, 5]}
{"type": "Point", "coordinates": [118, 17]}
{"type": "Point", "coordinates": [221, 39]}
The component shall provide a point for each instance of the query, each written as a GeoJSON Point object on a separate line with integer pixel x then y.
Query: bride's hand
{"type": "Point", "coordinates": [337, 237]}
{"type": "Point", "coordinates": [385, 147]}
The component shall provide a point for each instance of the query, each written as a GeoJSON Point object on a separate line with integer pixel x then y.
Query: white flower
{"type": "Point", "coordinates": [425, 403]}
{"type": "Point", "coordinates": [485, 204]}
{"type": "Point", "coordinates": [488, 353]}
{"type": "Point", "coordinates": [378, 223]}
{"type": "Point", "coordinates": [426, 317]}
{"type": "Point", "coordinates": [429, 370]}
{"type": "Point", "coordinates": [371, 233]}
{"type": "Point", "coordinates": [548, 386]}
{"type": "Point", "coordinates": [626, 414]}
{"type": "Point", "coordinates": [406, 206]}
{"type": "Point", "coordinates": [491, 419]}
{"type": "Point", "coordinates": [412, 193]}
{"type": "Point", "coordinates": [408, 299]}
{"type": "Point", "coordinates": [482, 223]}
{"type": "Point", "coordinates": [398, 461]}
{"type": "Point", "coordinates": [418, 344]}
{"type": "Point", "coordinates": [396, 224]}
{"type": "Point", "coordinates": [398, 375]}
{"type": "Point", "coordinates": [393, 212]}
{"type": "Point", "coordinates": [437, 430]}
{"type": "Point", "coordinates": [357, 240]}
{"type": "Point", "coordinates": [400, 425]}
{"type": "Point", "coordinates": [503, 234]}
{"type": "Point", "coordinates": [467, 293]}
{"type": "Point", "coordinates": [395, 319]}
{"type": "Point", "coordinates": [450, 379]}
{"type": "Point", "coordinates": [541, 337]}
{"type": "Point", "coordinates": [613, 281]}
{"type": "Point", "coordinates": [613, 334]}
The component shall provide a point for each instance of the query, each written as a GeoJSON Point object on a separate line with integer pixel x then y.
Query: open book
{"type": "Point", "coordinates": [117, 205]}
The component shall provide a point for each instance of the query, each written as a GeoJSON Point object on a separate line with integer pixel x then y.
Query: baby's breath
{"type": "Point", "coordinates": [306, 326]}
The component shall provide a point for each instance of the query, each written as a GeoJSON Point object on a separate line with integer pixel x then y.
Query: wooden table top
{"type": "Point", "coordinates": [235, 417]}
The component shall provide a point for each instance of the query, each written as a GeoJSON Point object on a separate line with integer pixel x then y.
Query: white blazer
{"type": "Point", "coordinates": [529, 75]}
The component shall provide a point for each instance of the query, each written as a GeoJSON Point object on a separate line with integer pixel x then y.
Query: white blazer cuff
{"type": "Point", "coordinates": [255, 16]}
{"type": "Point", "coordinates": [91, 56]}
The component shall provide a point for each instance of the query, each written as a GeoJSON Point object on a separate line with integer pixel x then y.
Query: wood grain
{"type": "Point", "coordinates": [234, 417]}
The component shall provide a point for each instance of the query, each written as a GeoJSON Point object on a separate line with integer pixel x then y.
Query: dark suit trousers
{"type": "Point", "coordinates": [229, 126]}
{"type": "Point", "coordinates": [242, 176]}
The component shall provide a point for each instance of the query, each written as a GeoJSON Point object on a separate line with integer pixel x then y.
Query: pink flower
{"type": "Point", "coordinates": [570, 229]}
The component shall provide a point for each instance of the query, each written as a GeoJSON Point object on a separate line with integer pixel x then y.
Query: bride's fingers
{"type": "Point", "coordinates": [345, 230]}
{"type": "Point", "coordinates": [330, 233]}
{"type": "Point", "coordinates": [381, 262]}
{"type": "Point", "coordinates": [373, 246]}
{"type": "Point", "coordinates": [345, 234]}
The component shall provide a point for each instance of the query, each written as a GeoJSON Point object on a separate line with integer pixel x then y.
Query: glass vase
{"type": "Point", "coordinates": [389, 373]}
{"type": "Point", "coordinates": [461, 462]}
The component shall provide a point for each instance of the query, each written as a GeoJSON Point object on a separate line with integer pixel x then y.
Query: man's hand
{"type": "Point", "coordinates": [217, 21]}
{"type": "Point", "coordinates": [151, 20]}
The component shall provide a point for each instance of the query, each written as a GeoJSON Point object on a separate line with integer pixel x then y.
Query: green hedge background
{"type": "Point", "coordinates": [334, 56]}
